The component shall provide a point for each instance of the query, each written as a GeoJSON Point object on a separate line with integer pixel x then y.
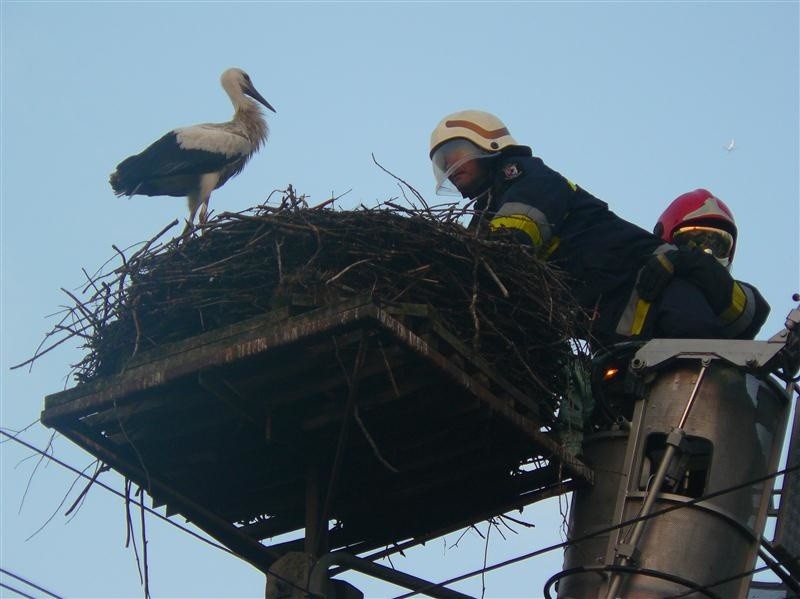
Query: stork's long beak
{"type": "Point", "coordinates": [253, 93]}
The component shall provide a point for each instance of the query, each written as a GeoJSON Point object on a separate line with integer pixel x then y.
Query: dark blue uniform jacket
{"type": "Point", "coordinates": [600, 252]}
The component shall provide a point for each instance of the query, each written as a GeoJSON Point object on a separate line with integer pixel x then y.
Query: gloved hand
{"type": "Point", "coordinates": [696, 266]}
{"type": "Point", "coordinates": [739, 306]}
{"type": "Point", "coordinates": [656, 274]}
{"type": "Point", "coordinates": [707, 274]}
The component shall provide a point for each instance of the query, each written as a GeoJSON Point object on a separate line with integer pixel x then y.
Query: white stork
{"type": "Point", "coordinates": [194, 161]}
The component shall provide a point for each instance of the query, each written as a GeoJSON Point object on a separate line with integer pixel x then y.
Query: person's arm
{"type": "Point", "coordinates": [533, 205]}
{"type": "Point", "coordinates": [740, 307]}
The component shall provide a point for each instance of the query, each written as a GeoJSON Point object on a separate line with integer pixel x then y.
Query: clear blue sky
{"type": "Point", "coordinates": [634, 101]}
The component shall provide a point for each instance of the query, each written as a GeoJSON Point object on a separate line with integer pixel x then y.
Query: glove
{"type": "Point", "coordinates": [694, 265]}
{"type": "Point", "coordinates": [656, 274]}
{"type": "Point", "coordinates": [740, 307]}
{"type": "Point", "coordinates": [705, 272]}
{"type": "Point", "coordinates": [724, 295]}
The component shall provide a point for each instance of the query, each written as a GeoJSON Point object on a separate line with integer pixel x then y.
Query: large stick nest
{"type": "Point", "coordinates": [499, 299]}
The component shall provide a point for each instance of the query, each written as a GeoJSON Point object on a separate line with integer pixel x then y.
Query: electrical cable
{"type": "Point", "coordinates": [463, 576]}
{"type": "Point", "coordinates": [627, 570]}
{"type": "Point", "coordinates": [114, 491]}
{"type": "Point", "coordinates": [602, 531]}
{"type": "Point", "coordinates": [755, 570]}
{"type": "Point", "coordinates": [17, 591]}
{"type": "Point", "coordinates": [147, 509]}
{"type": "Point", "coordinates": [29, 583]}
{"type": "Point", "coordinates": [779, 568]}
{"type": "Point", "coordinates": [452, 580]}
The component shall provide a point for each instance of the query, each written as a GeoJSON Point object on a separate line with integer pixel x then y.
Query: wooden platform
{"type": "Point", "coordinates": [374, 420]}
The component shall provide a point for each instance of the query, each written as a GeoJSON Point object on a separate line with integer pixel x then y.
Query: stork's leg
{"type": "Point", "coordinates": [208, 183]}
{"type": "Point", "coordinates": [193, 200]}
{"type": "Point", "coordinates": [198, 199]}
{"type": "Point", "coordinates": [203, 215]}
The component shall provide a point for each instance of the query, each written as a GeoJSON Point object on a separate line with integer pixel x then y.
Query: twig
{"type": "Point", "coordinates": [330, 201]}
{"type": "Point", "coordinates": [396, 253]}
{"type": "Point", "coordinates": [63, 499]}
{"type": "Point", "coordinates": [278, 245]}
{"type": "Point", "coordinates": [496, 279]}
{"type": "Point", "coordinates": [144, 544]}
{"type": "Point", "coordinates": [417, 194]}
{"type": "Point", "coordinates": [132, 444]}
{"type": "Point", "coordinates": [152, 240]}
{"type": "Point", "coordinates": [516, 521]}
{"type": "Point", "coordinates": [98, 471]}
{"type": "Point", "coordinates": [135, 315]}
{"type": "Point", "coordinates": [473, 308]}
{"type": "Point", "coordinates": [389, 369]}
{"type": "Point", "coordinates": [47, 448]}
{"type": "Point", "coordinates": [372, 443]}
{"type": "Point", "coordinates": [130, 537]}
{"type": "Point", "coordinates": [461, 536]}
{"type": "Point", "coordinates": [344, 270]}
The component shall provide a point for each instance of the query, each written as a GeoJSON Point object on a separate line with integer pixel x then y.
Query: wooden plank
{"type": "Point", "coordinates": [357, 542]}
{"type": "Point", "coordinates": [98, 395]}
{"type": "Point", "coordinates": [249, 472]}
{"type": "Point", "coordinates": [548, 444]}
{"type": "Point", "coordinates": [487, 370]}
{"type": "Point", "coordinates": [218, 346]}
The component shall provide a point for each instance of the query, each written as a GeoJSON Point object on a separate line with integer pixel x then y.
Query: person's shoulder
{"type": "Point", "coordinates": [513, 168]}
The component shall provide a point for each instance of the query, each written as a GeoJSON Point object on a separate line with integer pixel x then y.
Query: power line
{"type": "Point", "coordinates": [602, 531]}
{"type": "Point", "coordinates": [144, 507]}
{"type": "Point", "coordinates": [115, 492]}
{"type": "Point", "coordinates": [455, 579]}
{"type": "Point", "coordinates": [618, 568]}
{"type": "Point", "coordinates": [29, 583]}
{"type": "Point", "coordinates": [755, 570]}
{"type": "Point", "coordinates": [17, 591]}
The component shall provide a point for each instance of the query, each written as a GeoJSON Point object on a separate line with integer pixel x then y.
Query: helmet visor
{"type": "Point", "coordinates": [449, 157]}
{"type": "Point", "coordinates": [714, 241]}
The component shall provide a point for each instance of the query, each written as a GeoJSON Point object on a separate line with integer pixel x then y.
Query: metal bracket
{"type": "Point", "coordinates": [752, 355]}
{"type": "Point", "coordinates": [748, 354]}
{"type": "Point", "coordinates": [319, 578]}
{"type": "Point", "coordinates": [677, 438]}
{"type": "Point", "coordinates": [629, 552]}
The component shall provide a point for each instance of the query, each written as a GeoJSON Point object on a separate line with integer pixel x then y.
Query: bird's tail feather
{"type": "Point", "coordinates": [126, 179]}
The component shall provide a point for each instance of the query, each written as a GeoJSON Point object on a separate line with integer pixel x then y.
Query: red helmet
{"type": "Point", "coordinates": [699, 217]}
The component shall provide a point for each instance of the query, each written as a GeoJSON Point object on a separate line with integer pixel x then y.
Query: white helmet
{"type": "Point", "coordinates": [464, 136]}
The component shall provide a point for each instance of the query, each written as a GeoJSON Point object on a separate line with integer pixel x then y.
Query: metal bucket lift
{"type": "Point", "coordinates": [684, 475]}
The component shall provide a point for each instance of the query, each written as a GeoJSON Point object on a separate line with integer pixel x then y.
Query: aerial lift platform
{"type": "Point", "coordinates": [360, 427]}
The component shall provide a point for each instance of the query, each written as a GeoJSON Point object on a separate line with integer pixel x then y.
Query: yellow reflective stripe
{"type": "Point", "coordinates": [639, 315]}
{"type": "Point", "coordinates": [738, 303]}
{"type": "Point", "coordinates": [552, 246]}
{"type": "Point", "coordinates": [572, 185]}
{"type": "Point", "coordinates": [666, 263]}
{"type": "Point", "coordinates": [520, 222]}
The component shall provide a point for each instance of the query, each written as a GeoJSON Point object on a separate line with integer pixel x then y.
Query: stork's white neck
{"type": "Point", "coordinates": [254, 126]}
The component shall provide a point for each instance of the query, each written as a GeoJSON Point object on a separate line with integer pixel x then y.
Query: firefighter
{"type": "Point", "coordinates": [698, 219]}
{"type": "Point", "coordinates": [618, 272]}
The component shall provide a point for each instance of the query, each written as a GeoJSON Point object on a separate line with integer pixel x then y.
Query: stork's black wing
{"type": "Point", "coordinates": [173, 164]}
